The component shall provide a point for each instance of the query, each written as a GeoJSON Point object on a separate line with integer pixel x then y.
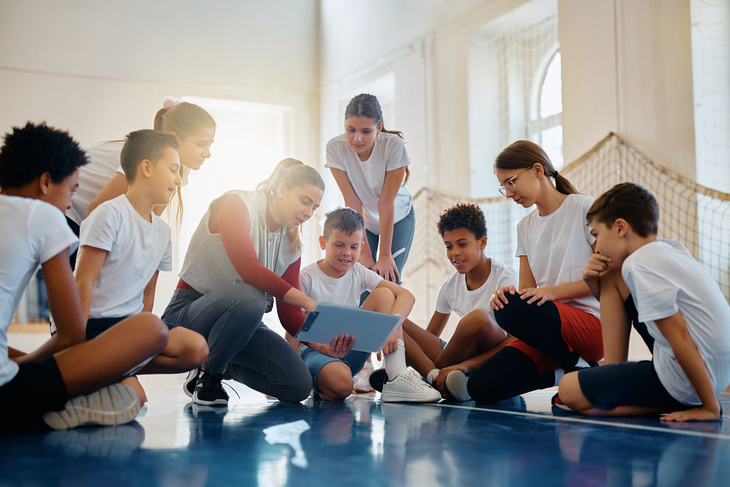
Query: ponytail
{"type": "Point", "coordinates": [524, 154]}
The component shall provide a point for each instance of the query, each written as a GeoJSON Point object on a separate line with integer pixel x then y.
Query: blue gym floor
{"type": "Point", "coordinates": [363, 441]}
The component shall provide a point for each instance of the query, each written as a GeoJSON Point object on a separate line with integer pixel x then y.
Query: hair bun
{"type": "Point", "coordinates": [169, 102]}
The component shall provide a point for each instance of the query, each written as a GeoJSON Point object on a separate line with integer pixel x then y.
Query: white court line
{"type": "Point", "coordinates": [590, 421]}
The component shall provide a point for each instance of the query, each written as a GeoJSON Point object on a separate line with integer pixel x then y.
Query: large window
{"type": "Point", "coordinates": [545, 127]}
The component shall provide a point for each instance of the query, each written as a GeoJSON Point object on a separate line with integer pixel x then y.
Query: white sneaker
{"type": "Point", "coordinates": [409, 387]}
{"type": "Point", "coordinates": [361, 382]}
{"type": "Point", "coordinates": [455, 384]}
{"type": "Point", "coordinates": [114, 404]}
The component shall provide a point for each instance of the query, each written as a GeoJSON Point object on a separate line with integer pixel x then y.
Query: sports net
{"type": "Point", "coordinates": [697, 216]}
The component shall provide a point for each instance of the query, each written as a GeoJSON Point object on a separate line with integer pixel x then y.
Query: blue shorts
{"type": "Point", "coordinates": [97, 326]}
{"type": "Point", "coordinates": [626, 384]}
{"type": "Point", "coordinates": [315, 361]}
{"type": "Point", "coordinates": [36, 389]}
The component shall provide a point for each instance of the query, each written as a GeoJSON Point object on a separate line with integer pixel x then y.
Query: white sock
{"type": "Point", "coordinates": [581, 363]}
{"type": "Point", "coordinates": [431, 375]}
{"type": "Point", "coordinates": [395, 362]}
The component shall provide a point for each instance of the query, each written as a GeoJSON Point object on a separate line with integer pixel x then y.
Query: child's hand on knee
{"type": "Point", "coordinates": [499, 298]}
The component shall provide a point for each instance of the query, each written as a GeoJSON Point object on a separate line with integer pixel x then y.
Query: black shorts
{"type": "Point", "coordinates": [97, 326]}
{"type": "Point", "coordinates": [36, 389]}
{"type": "Point", "coordinates": [626, 384]}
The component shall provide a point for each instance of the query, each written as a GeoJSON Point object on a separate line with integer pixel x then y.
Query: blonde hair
{"type": "Point", "coordinates": [183, 119]}
{"type": "Point", "coordinates": [294, 174]}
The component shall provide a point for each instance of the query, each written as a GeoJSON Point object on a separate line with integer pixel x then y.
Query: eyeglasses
{"type": "Point", "coordinates": [509, 185]}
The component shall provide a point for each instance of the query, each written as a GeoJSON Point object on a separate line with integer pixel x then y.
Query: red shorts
{"type": "Point", "coordinates": [580, 330]}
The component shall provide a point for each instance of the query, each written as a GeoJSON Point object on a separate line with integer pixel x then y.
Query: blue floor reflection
{"type": "Point", "coordinates": [365, 442]}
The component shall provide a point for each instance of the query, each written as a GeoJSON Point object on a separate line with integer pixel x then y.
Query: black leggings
{"type": "Point", "coordinates": [507, 374]}
{"type": "Point", "coordinates": [537, 326]}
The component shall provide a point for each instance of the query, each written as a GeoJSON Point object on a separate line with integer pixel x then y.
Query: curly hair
{"type": "Point", "coordinates": [33, 150]}
{"type": "Point", "coordinates": [463, 215]}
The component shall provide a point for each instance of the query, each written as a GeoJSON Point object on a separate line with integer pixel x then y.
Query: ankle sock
{"type": "Point", "coordinates": [395, 362]}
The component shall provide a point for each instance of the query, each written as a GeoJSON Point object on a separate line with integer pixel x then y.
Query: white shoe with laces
{"type": "Point", "coordinates": [409, 387]}
{"type": "Point", "coordinates": [114, 404]}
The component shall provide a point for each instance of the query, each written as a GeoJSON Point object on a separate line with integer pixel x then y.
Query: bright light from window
{"type": "Point", "coordinates": [551, 141]}
{"type": "Point", "coordinates": [551, 94]}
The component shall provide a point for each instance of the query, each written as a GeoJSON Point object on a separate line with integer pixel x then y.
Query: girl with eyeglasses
{"type": "Point", "coordinates": [552, 313]}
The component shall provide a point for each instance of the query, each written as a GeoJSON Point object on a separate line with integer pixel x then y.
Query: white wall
{"type": "Point", "coordinates": [627, 68]}
{"type": "Point", "coordinates": [101, 68]}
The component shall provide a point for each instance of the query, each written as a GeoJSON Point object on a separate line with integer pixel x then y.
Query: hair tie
{"type": "Point", "coordinates": [555, 174]}
{"type": "Point", "coordinates": [169, 102]}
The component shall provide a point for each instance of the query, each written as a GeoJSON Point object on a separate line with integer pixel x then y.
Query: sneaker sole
{"type": "Point", "coordinates": [191, 378]}
{"type": "Point", "coordinates": [399, 397]}
{"type": "Point", "coordinates": [203, 402]}
{"type": "Point", "coordinates": [115, 404]}
{"type": "Point", "coordinates": [456, 386]}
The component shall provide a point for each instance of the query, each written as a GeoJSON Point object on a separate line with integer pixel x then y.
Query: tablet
{"type": "Point", "coordinates": [328, 321]}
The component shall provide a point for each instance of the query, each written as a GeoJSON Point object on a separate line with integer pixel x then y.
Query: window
{"type": "Point", "coordinates": [545, 126]}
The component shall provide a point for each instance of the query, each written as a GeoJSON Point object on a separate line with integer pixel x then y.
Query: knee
{"type": "Point", "coordinates": [570, 392]}
{"type": "Point", "coordinates": [195, 351]}
{"type": "Point", "coordinates": [486, 385]}
{"type": "Point", "coordinates": [154, 329]}
{"type": "Point", "coordinates": [381, 299]}
{"type": "Point", "coordinates": [334, 381]}
{"type": "Point", "coordinates": [512, 310]}
{"type": "Point", "coordinates": [477, 323]}
{"type": "Point", "coordinates": [298, 388]}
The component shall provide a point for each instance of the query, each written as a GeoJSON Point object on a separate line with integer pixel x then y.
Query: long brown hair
{"type": "Point", "coordinates": [184, 119]}
{"type": "Point", "coordinates": [367, 105]}
{"type": "Point", "coordinates": [524, 154]}
{"type": "Point", "coordinates": [294, 174]}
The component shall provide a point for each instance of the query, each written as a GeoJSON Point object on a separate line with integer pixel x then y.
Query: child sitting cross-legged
{"type": "Point", "coordinates": [124, 245]}
{"type": "Point", "coordinates": [340, 279]}
{"type": "Point", "coordinates": [467, 293]}
{"type": "Point", "coordinates": [66, 382]}
{"type": "Point", "coordinates": [681, 306]}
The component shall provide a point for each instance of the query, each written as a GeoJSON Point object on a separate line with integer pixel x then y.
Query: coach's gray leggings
{"type": "Point", "coordinates": [241, 346]}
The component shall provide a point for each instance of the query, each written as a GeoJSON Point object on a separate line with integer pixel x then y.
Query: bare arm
{"type": "Point", "coordinates": [148, 297]}
{"type": "Point", "coordinates": [63, 300]}
{"type": "Point", "coordinates": [116, 186]}
{"type": "Point", "coordinates": [674, 329]}
{"type": "Point", "coordinates": [437, 324]}
{"type": "Point", "coordinates": [386, 212]}
{"type": "Point", "coordinates": [88, 267]}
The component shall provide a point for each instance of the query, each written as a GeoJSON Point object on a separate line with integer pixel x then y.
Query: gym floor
{"type": "Point", "coordinates": [363, 441]}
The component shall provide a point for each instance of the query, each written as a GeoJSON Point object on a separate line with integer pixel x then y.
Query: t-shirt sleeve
{"type": "Point", "coordinates": [305, 280]}
{"type": "Point", "coordinates": [395, 153]}
{"type": "Point", "coordinates": [443, 305]}
{"type": "Point", "coordinates": [49, 232]}
{"type": "Point", "coordinates": [587, 202]}
{"type": "Point", "coordinates": [655, 295]}
{"type": "Point", "coordinates": [368, 279]}
{"type": "Point", "coordinates": [166, 262]}
{"type": "Point", "coordinates": [521, 249]}
{"type": "Point", "coordinates": [335, 157]}
{"type": "Point", "coordinates": [100, 229]}
{"type": "Point", "coordinates": [507, 277]}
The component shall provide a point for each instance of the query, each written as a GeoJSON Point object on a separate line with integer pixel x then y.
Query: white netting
{"type": "Point", "coordinates": [695, 215]}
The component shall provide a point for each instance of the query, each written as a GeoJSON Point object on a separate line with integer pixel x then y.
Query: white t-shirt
{"type": "Point", "coordinates": [367, 177]}
{"type": "Point", "coordinates": [136, 249]}
{"type": "Point", "coordinates": [33, 233]}
{"type": "Point", "coordinates": [344, 291]}
{"type": "Point", "coordinates": [104, 162]}
{"type": "Point", "coordinates": [664, 278]}
{"type": "Point", "coordinates": [558, 246]}
{"type": "Point", "coordinates": [455, 297]}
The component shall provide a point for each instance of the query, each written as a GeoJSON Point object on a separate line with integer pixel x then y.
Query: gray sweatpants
{"type": "Point", "coordinates": [241, 346]}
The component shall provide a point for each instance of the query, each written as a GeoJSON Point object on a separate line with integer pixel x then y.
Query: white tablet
{"type": "Point", "coordinates": [328, 321]}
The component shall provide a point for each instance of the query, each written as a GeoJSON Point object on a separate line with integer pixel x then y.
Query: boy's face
{"type": "Point", "coordinates": [463, 249]}
{"type": "Point", "coordinates": [59, 194]}
{"type": "Point", "coordinates": [165, 176]}
{"type": "Point", "coordinates": [610, 242]}
{"type": "Point", "coordinates": [341, 250]}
